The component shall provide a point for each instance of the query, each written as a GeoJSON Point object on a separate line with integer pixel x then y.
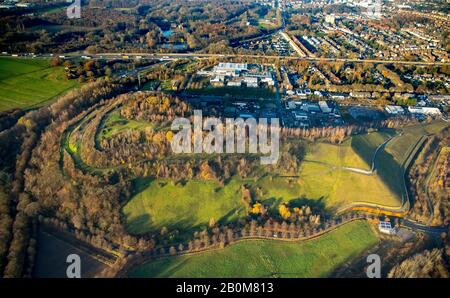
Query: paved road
{"type": "Point", "coordinates": [174, 56]}
{"type": "Point", "coordinates": [203, 55]}
{"type": "Point", "coordinates": [424, 228]}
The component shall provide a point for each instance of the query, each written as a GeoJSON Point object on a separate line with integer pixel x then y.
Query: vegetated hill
{"type": "Point", "coordinates": [366, 144]}
{"type": "Point", "coordinates": [391, 162]}
{"type": "Point", "coordinates": [320, 181]}
{"type": "Point", "coordinates": [269, 258]}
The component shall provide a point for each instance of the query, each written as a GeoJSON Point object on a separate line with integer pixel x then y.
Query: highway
{"type": "Point", "coordinates": [175, 56]}
{"type": "Point", "coordinates": [204, 55]}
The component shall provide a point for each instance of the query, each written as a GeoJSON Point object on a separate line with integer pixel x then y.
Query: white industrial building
{"type": "Point", "coordinates": [394, 110]}
{"type": "Point", "coordinates": [386, 228]}
{"type": "Point", "coordinates": [251, 81]}
{"type": "Point", "coordinates": [428, 111]}
{"type": "Point", "coordinates": [230, 69]}
{"type": "Point", "coordinates": [238, 74]}
{"type": "Point", "coordinates": [237, 83]}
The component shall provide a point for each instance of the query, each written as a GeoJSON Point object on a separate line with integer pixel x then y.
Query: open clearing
{"type": "Point", "coordinates": [115, 124]}
{"type": "Point", "coordinates": [26, 83]}
{"type": "Point", "coordinates": [269, 258]}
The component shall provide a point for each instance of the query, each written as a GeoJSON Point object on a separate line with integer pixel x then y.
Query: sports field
{"type": "Point", "coordinates": [269, 258]}
{"type": "Point", "coordinates": [26, 83]}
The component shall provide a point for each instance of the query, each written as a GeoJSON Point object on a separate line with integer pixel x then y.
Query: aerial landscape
{"type": "Point", "coordinates": [224, 139]}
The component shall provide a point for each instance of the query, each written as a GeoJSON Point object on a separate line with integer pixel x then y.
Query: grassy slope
{"type": "Point", "coordinates": [336, 186]}
{"type": "Point", "coordinates": [366, 144]}
{"type": "Point", "coordinates": [25, 83]}
{"type": "Point", "coordinates": [191, 206]}
{"type": "Point", "coordinates": [393, 157]}
{"type": "Point", "coordinates": [182, 207]}
{"type": "Point", "coordinates": [355, 152]}
{"type": "Point", "coordinates": [269, 258]}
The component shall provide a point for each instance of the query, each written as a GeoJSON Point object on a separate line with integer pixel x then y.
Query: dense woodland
{"type": "Point", "coordinates": [427, 264]}
{"type": "Point", "coordinates": [130, 26]}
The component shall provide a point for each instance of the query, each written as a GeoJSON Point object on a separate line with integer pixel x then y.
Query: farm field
{"type": "Point", "coordinates": [29, 83]}
{"type": "Point", "coordinates": [269, 258]}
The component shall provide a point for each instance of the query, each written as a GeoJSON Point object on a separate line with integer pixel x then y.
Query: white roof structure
{"type": "Point", "coordinates": [424, 111]}
{"type": "Point", "coordinates": [394, 110]}
{"type": "Point", "coordinates": [232, 66]}
{"type": "Point", "coordinates": [386, 227]}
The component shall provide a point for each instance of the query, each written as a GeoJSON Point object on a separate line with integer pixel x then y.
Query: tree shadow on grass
{"type": "Point", "coordinates": [230, 217]}
{"type": "Point", "coordinates": [315, 204]}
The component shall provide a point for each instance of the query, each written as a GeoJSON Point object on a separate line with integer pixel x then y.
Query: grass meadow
{"type": "Point", "coordinates": [317, 257]}
{"type": "Point", "coordinates": [27, 83]}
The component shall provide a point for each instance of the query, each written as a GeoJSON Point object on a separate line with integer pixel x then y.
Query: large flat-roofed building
{"type": "Point", "coordinates": [299, 115]}
{"type": "Point", "coordinates": [230, 69]}
{"type": "Point", "coordinates": [239, 74]}
{"type": "Point", "coordinates": [425, 111]}
{"type": "Point", "coordinates": [394, 110]}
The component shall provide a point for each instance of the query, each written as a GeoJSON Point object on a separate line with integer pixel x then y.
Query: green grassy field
{"type": "Point", "coordinates": [188, 207]}
{"type": "Point", "coordinates": [402, 146]}
{"type": "Point", "coordinates": [26, 83]}
{"type": "Point", "coordinates": [269, 258]}
{"type": "Point", "coordinates": [365, 145]}
{"type": "Point", "coordinates": [320, 182]}
{"type": "Point", "coordinates": [355, 152]}
{"type": "Point", "coordinates": [115, 124]}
